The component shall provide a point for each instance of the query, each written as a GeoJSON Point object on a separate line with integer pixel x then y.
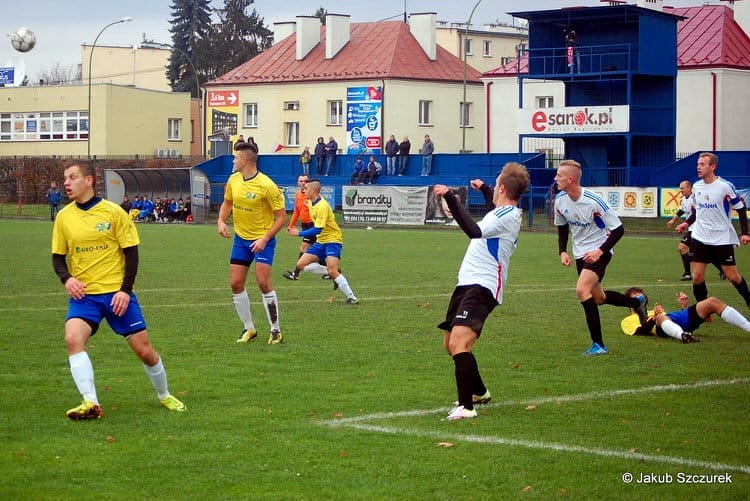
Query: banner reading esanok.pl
{"type": "Point", "coordinates": [364, 107]}
{"type": "Point", "coordinates": [574, 120]}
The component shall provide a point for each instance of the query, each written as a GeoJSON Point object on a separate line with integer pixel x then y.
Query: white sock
{"type": "Point", "coordinates": [316, 268]}
{"type": "Point", "coordinates": [271, 304]}
{"type": "Point", "coordinates": [734, 317]}
{"type": "Point", "coordinates": [158, 377]}
{"type": "Point", "coordinates": [242, 306]}
{"type": "Point", "coordinates": [344, 286]}
{"type": "Point", "coordinates": [671, 329]}
{"type": "Point", "coordinates": [83, 376]}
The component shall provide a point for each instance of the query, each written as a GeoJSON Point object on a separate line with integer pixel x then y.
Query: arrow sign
{"type": "Point", "coordinates": [222, 98]}
{"type": "Point", "coordinates": [232, 98]}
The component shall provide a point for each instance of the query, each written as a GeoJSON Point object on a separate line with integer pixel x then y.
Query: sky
{"type": "Point", "coordinates": [62, 26]}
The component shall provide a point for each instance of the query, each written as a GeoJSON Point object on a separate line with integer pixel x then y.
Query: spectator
{"type": "Point", "coordinates": [53, 197]}
{"type": "Point", "coordinates": [135, 208]}
{"type": "Point", "coordinates": [159, 209]}
{"type": "Point", "coordinates": [188, 211]}
{"type": "Point", "coordinates": [360, 169]}
{"type": "Point", "coordinates": [253, 144]}
{"type": "Point", "coordinates": [428, 148]}
{"type": "Point", "coordinates": [403, 153]}
{"type": "Point", "coordinates": [304, 160]}
{"type": "Point", "coordinates": [332, 149]}
{"type": "Point", "coordinates": [147, 210]}
{"type": "Point", "coordinates": [373, 171]}
{"type": "Point", "coordinates": [126, 204]}
{"type": "Point", "coordinates": [391, 150]}
{"type": "Point", "coordinates": [320, 154]}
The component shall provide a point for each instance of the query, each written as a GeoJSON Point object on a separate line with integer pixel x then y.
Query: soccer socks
{"type": "Point", "coordinates": [743, 290]}
{"type": "Point", "coordinates": [618, 299]}
{"type": "Point", "coordinates": [700, 291]}
{"type": "Point", "coordinates": [344, 286]}
{"type": "Point", "coordinates": [316, 268]}
{"type": "Point", "coordinates": [158, 377]}
{"type": "Point", "coordinates": [477, 385]}
{"type": "Point", "coordinates": [671, 329]}
{"type": "Point", "coordinates": [686, 262]}
{"type": "Point", "coordinates": [466, 368]}
{"type": "Point", "coordinates": [242, 306]}
{"type": "Point", "coordinates": [271, 304]}
{"type": "Point", "coordinates": [591, 310]}
{"type": "Point", "coordinates": [83, 376]}
{"type": "Point", "coordinates": [733, 317]}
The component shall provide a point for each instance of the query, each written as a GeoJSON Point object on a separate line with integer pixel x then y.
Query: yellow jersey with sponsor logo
{"type": "Point", "coordinates": [93, 240]}
{"type": "Point", "coordinates": [324, 218]}
{"type": "Point", "coordinates": [254, 202]}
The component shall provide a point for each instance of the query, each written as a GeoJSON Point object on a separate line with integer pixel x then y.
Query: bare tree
{"type": "Point", "coordinates": [59, 74]}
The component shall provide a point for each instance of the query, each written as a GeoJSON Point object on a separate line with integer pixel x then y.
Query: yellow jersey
{"type": "Point", "coordinates": [631, 323]}
{"type": "Point", "coordinates": [93, 240]}
{"type": "Point", "coordinates": [254, 202]}
{"type": "Point", "coordinates": [324, 218]}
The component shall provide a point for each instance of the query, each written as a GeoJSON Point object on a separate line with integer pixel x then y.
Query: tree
{"type": "Point", "coordinates": [236, 38]}
{"type": "Point", "coordinates": [191, 24]}
{"type": "Point", "coordinates": [321, 14]}
{"type": "Point", "coordinates": [59, 74]}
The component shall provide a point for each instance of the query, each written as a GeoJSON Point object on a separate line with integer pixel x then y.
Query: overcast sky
{"type": "Point", "coordinates": [61, 26]}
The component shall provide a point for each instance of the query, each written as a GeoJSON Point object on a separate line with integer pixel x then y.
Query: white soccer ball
{"type": "Point", "coordinates": [23, 40]}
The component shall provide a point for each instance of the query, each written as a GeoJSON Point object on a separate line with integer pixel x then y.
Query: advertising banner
{"type": "Point", "coordinates": [398, 205]}
{"type": "Point", "coordinates": [671, 201]}
{"type": "Point", "coordinates": [290, 192]}
{"type": "Point", "coordinates": [574, 120]}
{"type": "Point", "coordinates": [628, 201]}
{"type": "Point", "coordinates": [364, 107]}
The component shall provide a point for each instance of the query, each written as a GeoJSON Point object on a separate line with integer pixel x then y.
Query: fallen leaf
{"type": "Point", "coordinates": [331, 298]}
{"type": "Point", "coordinates": [666, 414]}
{"type": "Point", "coordinates": [337, 415]}
{"type": "Point", "coordinates": [632, 450]}
{"type": "Point", "coordinates": [526, 489]}
{"type": "Point", "coordinates": [344, 454]}
{"type": "Point", "coordinates": [530, 407]}
{"type": "Point", "coordinates": [110, 438]}
{"type": "Point", "coordinates": [444, 444]}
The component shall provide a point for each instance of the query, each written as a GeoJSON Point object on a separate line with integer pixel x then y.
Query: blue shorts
{"type": "Point", "coordinates": [322, 251]}
{"type": "Point", "coordinates": [92, 308]}
{"type": "Point", "coordinates": [242, 255]}
{"type": "Point", "coordinates": [687, 319]}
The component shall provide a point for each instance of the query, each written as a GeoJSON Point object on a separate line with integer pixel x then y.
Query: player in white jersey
{"type": "Point", "coordinates": [595, 229]}
{"type": "Point", "coordinates": [481, 277]}
{"type": "Point", "coordinates": [713, 235]}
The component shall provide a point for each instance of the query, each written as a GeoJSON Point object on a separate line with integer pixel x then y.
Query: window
{"type": "Point", "coordinates": [291, 105]}
{"type": "Point", "coordinates": [44, 126]}
{"type": "Point", "coordinates": [464, 115]}
{"type": "Point", "coordinates": [545, 102]}
{"type": "Point", "coordinates": [468, 46]}
{"type": "Point", "coordinates": [335, 113]}
{"type": "Point", "coordinates": [174, 125]}
{"type": "Point", "coordinates": [487, 48]}
{"type": "Point", "coordinates": [251, 114]}
{"type": "Point", "coordinates": [291, 133]}
{"type": "Point", "coordinates": [424, 112]}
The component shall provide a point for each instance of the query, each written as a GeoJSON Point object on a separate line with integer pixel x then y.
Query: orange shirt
{"type": "Point", "coordinates": [301, 211]}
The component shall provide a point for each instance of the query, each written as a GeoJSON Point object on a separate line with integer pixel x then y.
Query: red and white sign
{"type": "Point", "coordinates": [574, 120]}
{"type": "Point", "coordinates": [222, 98]}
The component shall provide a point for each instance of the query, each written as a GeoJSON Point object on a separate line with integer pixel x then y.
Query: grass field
{"type": "Point", "coordinates": [350, 406]}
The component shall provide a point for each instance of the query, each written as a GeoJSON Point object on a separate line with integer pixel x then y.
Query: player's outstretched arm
{"type": "Point", "coordinates": [462, 216]}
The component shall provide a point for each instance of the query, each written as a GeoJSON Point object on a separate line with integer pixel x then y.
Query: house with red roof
{"type": "Point", "coordinates": [713, 109]}
{"type": "Point", "coordinates": [355, 82]}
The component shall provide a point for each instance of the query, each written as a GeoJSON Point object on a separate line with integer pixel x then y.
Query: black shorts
{"type": "Point", "coordinates": [722, 255]}
{"type": "Point", "coordinates": [310, 240]}
{"type": "Point", "coordinates": [686, 239]}
{"type": "Point", "coordinates": [470, 305]}
{"type": "Point", "coordinates": [599, 267]}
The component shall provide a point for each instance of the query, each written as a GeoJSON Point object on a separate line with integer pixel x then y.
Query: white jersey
{"type": "Point", "coordinates": [713, 204]}
{"type": "Point", "coordinates": [487, 258]}
{"type": "Point", "coordinates": [590, 220]}
{"type": "Point", "coordinates": [687, 208]}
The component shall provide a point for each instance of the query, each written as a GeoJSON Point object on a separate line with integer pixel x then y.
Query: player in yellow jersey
{"type": "Point", "coordinates": [330, 240]}
{"type": "Point", "coordinates": [101, 244]}
{"type": "Point", "coordinates": [257, 208]}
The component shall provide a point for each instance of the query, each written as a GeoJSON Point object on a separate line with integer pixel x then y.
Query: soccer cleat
{"type": "Point", "coordinates": [87, 410]}
{"type": "Point", "coordinates": [326, 277]}
{"type": "Point", "coordinates": [352, 301]}
{"type": "Point", "coordinates": [247, 335]}
{"type": "Point", "coordinates": [289, 275]}
{"type": "Point", "coordinates": [477, 400]}
{"type": "Point", "coordinates": [461, 413]}
{"type": "Point", "coordinates": [687, 337]}
{"type": "Point", "coordinates": [172, 404]}
{"type": "Point", "coordinates": [275, 337]}
{"type": "Point", "coordinates": [641, 309]}
{"type": "Point", "coordinates": [596, 349]}
{"type": "Point", "coordinates": [686, 277]}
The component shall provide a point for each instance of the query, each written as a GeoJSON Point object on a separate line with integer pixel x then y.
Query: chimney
{"type": "Point", "coordinates": [337, 33]}
{"type": "Point", "coordinates": [423, 27]}
{"type": "Point", "coordinates": [283, 30]}
{"type": "Point", "coordinates": [651, 4]}
{"type": "Point", "coordinates": [308, 35]}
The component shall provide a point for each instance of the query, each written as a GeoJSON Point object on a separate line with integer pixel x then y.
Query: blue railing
{"type": "Point", "coordinates": [584, 60]}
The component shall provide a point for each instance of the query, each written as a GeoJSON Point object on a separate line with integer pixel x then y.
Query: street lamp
{"type": "Point", "coordinates": [125, 19]}
{"type": "Point", "coordinates": [463, 103]}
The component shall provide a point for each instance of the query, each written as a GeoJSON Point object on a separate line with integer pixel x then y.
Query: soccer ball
{"type": "Point", "coordinates": [23, 40]}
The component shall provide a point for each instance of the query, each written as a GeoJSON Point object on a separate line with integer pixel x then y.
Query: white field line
{"type": "Point", "coordinates": [359, 423]}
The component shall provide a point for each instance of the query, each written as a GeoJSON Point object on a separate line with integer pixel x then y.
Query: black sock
{"type": "Point", "coordinates": [686, 262]}
{"type": "Point", "coordinates": [743, 290]}
{"type": "Point", "coordinates": [591, 309]}
{"type": "Point", "coordinates": [296, 271]}
{"type": "Point", "coordinates": [477, 385]}
{"type": "Point", "coordinates": [618, 299]}
{"type": "Point", "coordinates": [465, 366]}
{"type": "Point", "coordinates": [700, 291]}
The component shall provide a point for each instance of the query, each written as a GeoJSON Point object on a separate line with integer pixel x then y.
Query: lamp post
{"type": "Point", "coordinates": [463, 103]}
{"type": "Point", "coordinates": [125, 19]}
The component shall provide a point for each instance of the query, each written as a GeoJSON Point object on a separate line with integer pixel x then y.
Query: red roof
{"type": "Point", "coordinates": [709, 36]}
{"type": "Point", "coordinates": [375, 51]}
